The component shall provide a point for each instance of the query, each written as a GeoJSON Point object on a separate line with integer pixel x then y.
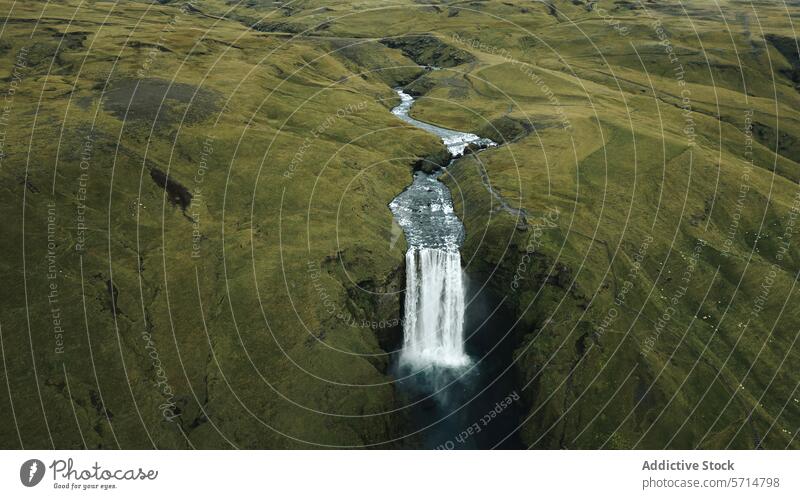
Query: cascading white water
{"type": "Point", "coordinates": [434, 305]}
{"type": "Point", "coordinates": [434, 309]}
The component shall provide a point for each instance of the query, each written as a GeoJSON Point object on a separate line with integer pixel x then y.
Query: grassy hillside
{"type": "Point", "coordinates": [197, 248]}
{"type": "Point", "coordinates": [227, 181]}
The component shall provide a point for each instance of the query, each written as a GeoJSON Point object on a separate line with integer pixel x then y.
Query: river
{"type": "Point", "coordinates": [456, 389]}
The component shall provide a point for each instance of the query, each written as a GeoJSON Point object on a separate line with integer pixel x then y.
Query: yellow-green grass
{"type": "Point", "coordinates": [236, 330]}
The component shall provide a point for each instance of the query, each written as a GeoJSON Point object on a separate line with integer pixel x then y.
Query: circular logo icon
{"type": "Point", "coordinates": [31, 472]}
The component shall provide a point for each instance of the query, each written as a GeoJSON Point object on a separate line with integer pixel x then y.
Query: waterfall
{"type": "Point", "coordinates": [432, 368]}
{"type": "Point", "coordinates": [434, 309]}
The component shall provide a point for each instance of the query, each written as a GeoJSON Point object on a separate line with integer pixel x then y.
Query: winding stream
{"type": "Point", "coordinates": [455, 141]}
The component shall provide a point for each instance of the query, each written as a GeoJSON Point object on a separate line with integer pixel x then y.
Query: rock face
{"type": "Point", "coordinates": [787, 47]}
{"type": "Point", "coordinates": [428, 50]}
{"type": "Point", "coordinates": [433, 161]}
{"type": "Point", "coordinates": [506, 129]}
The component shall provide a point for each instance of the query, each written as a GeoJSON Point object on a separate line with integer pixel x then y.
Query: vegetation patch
{"type": "Point", "coordinates": [160, 102]}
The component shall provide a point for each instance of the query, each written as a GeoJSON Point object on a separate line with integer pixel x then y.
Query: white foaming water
{"type": "Point", "coordinates": [434, 309]}
{"type": "Point", "coordinates": [455, 141]}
